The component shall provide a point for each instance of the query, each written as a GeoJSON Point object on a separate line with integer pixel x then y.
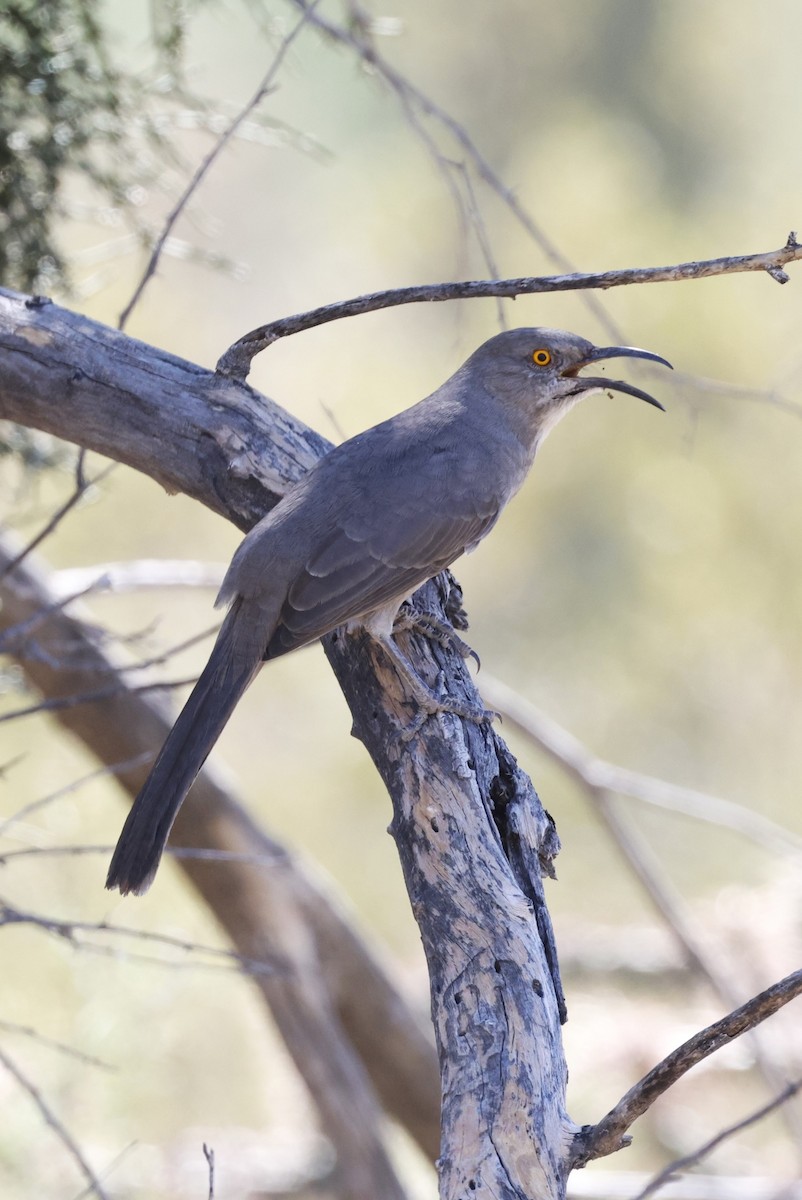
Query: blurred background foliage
{"type": "Point", "coordinates": [644, 589]}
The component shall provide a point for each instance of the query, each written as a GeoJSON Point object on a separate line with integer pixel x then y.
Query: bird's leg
{"type": "Point", "coordinates": [429, 704]}
{"type": "Point", "coordinates": [436, 629]}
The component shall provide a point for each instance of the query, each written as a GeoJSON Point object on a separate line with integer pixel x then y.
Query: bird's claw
{"type": "Point", "coordinates": [467, 712]}
{"type": "Point", "coordinates": [436, 630]}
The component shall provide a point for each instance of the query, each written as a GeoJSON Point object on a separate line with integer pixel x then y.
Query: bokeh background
{"type": "Point", "coordinates": [644, 589]}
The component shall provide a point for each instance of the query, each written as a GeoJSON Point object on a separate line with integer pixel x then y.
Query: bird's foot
{"type": "Point", "coordinates": [436, 630]}
{"type": "Point", "coordinates": [430, 702]}
{"type": "Point", "coordinates": [435, 705]}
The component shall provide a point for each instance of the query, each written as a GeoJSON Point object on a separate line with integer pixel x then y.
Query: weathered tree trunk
{"type": "Point", "coordinates": [474, 840]}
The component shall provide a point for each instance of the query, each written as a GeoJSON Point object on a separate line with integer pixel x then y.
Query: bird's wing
{"type": "Point", "coordinates": [360, 569]}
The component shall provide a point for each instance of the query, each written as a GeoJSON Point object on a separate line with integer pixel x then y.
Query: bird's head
{"type": "Point", "coordinates": [535, 373]}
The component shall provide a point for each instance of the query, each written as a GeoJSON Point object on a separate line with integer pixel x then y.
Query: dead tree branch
{"type": "Point", "coordinates": [236, 361]}
{"type": "Point", "coordinates": [609, 1135]}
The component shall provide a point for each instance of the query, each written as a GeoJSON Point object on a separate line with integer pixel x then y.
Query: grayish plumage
{"type": "Point", "coordinates": [368, 524]}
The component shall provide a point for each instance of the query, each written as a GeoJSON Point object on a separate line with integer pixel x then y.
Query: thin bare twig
{"type": "Point", "coordinates": [237, 359]}
{"type": "Point", "coordinates": [609, 1135]}
{"type": "Point", "coordinates": [60, 1130]}
{"type": "Point", "coordinates": [733, 391]}
{"type": "Point", "coordinates": [74, 851]}
{"type": "Point", "coordinates": [208, 1154]}
{"type": "Point", "coordinates": [164, 656]}
{"type": "Point", "coordinates": [14, 639]}
{"type": "Point", "coordinates": [35, 805]}
{"type": "Point", "coordinates": [82, 485]}
{"type": "Point", "coordinates": [690, 1160]}
{"type": "Point", "coordinates": [482, 236]}
{"type": "Point", "coordinates": [215, 152]}
{"type": "Point", "coordinates": [60, 702]}
{"type": "Point", "coordinates": [177, 852]}
{"type": "Point", "coordinates": [15, 636]}
{"type": "Point", "coordinates": [88, 1060]}
{"type": "Point", "coordinates": [75, 931]}
{"type": "Point", "coordinates": [10, 763]}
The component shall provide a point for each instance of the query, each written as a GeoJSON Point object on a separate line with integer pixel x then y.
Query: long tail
{"type": "Point", "coordinates": [200, 723]}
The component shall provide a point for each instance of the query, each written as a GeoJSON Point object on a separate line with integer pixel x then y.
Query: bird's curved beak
{"type": "Point", "coordinates": [615, 385]}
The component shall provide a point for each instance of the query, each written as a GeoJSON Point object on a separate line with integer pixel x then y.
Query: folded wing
{"type": "Point", "coordinates": [358, 570]}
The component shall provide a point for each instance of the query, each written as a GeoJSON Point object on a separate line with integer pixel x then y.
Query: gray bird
{"type": "Point", "coordinates": [370, 522]}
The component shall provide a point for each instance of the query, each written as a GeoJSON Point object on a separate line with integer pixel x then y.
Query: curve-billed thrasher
{"type": "Point", "coordinates": [368, 524]}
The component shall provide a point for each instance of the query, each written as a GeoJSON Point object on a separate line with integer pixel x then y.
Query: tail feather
{"type": "Point", "coordinates": [199, 725]}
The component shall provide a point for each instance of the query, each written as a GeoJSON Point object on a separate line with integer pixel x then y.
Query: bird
{"type": "Point", "coordinates": [369, 523]}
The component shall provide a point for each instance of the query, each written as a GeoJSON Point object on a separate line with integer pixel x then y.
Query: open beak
{"type": "Point", "coordinates": [616, 385]}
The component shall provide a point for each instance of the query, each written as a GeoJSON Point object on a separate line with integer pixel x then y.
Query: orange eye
{"type": "Point", "coordinates": [541, 358]}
